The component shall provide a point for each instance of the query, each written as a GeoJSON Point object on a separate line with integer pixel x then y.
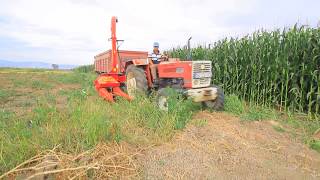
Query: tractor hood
{"type": "Point", "coordinates": [195, 74]}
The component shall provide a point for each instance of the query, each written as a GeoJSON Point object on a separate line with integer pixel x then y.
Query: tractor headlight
{"type": "Point", "coordinates": [196, 82]}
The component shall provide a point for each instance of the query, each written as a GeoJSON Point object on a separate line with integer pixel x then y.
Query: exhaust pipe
{"type": "Point", "coordinates": [189, 56]}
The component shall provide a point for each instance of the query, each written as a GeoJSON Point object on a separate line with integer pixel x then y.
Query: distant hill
{"type": "Point", "coordinates": [33, 64]}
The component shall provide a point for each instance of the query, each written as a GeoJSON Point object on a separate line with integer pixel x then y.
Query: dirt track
{"type": "Point", "coordinates": [227, 148]}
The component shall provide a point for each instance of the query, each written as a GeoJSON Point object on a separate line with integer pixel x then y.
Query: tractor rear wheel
{"type": "Point", "coordinates": [218, 103]}
{"type": "Point", "coordinates": [136, 82]}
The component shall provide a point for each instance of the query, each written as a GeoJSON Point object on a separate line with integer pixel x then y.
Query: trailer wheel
{"type": "Point", "coordinates": [136, 81]}
{"type": "Point", "coordinates": [218, 103]}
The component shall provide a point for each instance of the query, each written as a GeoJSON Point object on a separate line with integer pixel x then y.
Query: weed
{"type": "Point", "coordinates": [39, 85]}
{"type": "Point", "coordinates": [51, 98]}
{"type": "Point", "coordinates": [180, 108]}
{"type": "Point", "coordinates": [70, 78]}
{"type": "Point", "coordinates": [6, 94]}
{"type": "Point", "coordinates": [199, 122]}
{"type": "Point", "coordinates": [43, 111]}
{"type": "Point", "coordinates": [234, 105]}
{"type": "Point", "coordinates": [27, 103]}
{"type": "Point", "coordinates": [293, 122]}
{"type": "Point", "coordinates": [64, 92]}
{"type": "Point", "coordinates": [279, 129]}
{"type": "Point", "coordinates": [161, 162]}
{"type": "Point", "coordinates": [252, 112]}
{"type": "Point", "coordinates": [76, 95]}
{"type": "Point", "coordinates": [85, 69]}
{"type": "Point", "coordinates": [315, 144]}
{"type": "Point", "coordinates": [5, 117]}
{"type": "Point", "coordinates": [257, 113]}
{"type": "Point", "coordinates": [20, 82]}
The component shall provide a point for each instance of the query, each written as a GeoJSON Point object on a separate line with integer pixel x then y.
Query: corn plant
{"type": "Point", "coordinates": [279, 68]}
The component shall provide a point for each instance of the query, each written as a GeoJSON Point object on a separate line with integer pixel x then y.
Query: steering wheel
{"type": "Point", "coordinates": [164, 58]}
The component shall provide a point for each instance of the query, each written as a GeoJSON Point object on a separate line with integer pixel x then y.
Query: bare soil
{"type": "Point", "coordinates": [227, 148]}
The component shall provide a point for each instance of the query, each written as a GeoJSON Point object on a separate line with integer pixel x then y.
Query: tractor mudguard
{"type": "Point", "coordinates": [140, 62]}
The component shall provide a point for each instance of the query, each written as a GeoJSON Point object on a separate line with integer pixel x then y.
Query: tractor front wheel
{"type": "Point", "coordinates": [218, 103]}
{"type": "Point", "coordinates": [136, 82]}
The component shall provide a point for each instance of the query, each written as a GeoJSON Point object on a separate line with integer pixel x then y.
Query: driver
{"type": "Point", "coordinates": [156, 59]}
{"type": "Point", "coordinates": [155, 55]}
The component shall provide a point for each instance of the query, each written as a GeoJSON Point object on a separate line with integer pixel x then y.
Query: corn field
{"type": "Point", "coordinates": [276, 69]}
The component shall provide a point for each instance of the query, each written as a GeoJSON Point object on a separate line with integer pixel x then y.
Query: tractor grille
{"type": "Point", "coordinates": [201, 72]}
{"type": "Point", "coordinates": [201, 66]}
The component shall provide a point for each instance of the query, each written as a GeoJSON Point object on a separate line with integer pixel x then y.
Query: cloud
{"type": "Point", "coordinates": [73, 31]}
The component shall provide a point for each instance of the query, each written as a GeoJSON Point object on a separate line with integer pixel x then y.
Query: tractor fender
{"type": "Point", "coordinates": [139, 62]}
{"type": "Point", "coordinates": [136, 62]}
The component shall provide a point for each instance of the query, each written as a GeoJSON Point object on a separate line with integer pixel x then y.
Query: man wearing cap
{"type": "Point", "coordinates": [155, 55]}
{"type": "Point", "coordinates": [156, 59]}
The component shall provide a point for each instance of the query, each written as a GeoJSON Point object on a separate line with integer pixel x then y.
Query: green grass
{"type": "Point", "coordinates": [5, 117]}
{"type": "Point", "coordinates": [70, 79]}
{"type": "Point", "coordinates": [88, 121]}
{"type": "Point", "coordinates": [307, 127]}
{"type": "Point", "coordinates": [21, 82]}
{"type": "Point", "coordinates": [85, 69]}
{"type": "Point", "coordinates": [6, 94]}
{"type": "Point", "coordinates": [315, 144]}
{"type": "Point", "coordinates": [23, 70]}
{"type": "Point", "coordinates": [234, 105]}
{"type": "Point", "coordinates": [199, 122]}
{"type": "Point", "coordinates": [279, 129]}
{"type": "Point", "coordinates": [258, 113]}
{"type": "Point", "coordinates": [84, 120]}
{"type": "Point", "coordinates": [249, 112]}
{"type": "Point", "coordinates": [39, 85]}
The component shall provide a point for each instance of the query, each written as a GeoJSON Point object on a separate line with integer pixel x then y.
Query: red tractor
{"type": "Point", "coordinates": [121, 70]}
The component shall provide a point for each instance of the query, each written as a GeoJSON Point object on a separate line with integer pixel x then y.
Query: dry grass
{"type": "Point", "coordinates": [106, 160]}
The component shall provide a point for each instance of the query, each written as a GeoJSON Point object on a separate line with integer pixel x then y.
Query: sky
{"type": "Point", "coordinates": [73, 31]}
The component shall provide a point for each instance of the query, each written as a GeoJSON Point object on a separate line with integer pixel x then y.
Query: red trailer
{"type": "Point", "coordinates": [104, 64]}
